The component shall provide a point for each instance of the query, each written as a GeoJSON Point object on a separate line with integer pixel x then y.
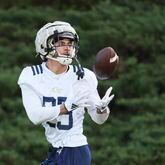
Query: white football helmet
{"type": "Point", "coordinates": [51, 33]}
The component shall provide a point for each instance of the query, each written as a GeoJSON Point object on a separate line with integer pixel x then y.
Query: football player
{"type": "Point", "coordinates": [57, 94]}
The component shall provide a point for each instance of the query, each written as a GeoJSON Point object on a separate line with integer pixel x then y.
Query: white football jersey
{"type": "Point", "coordinates": [42, 93]}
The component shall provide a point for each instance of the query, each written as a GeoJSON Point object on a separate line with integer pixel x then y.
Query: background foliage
{"type": "Point", "coordinates": [134, 133]}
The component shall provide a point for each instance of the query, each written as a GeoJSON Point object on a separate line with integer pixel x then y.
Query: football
{"type": "Point", "coordinates": [106, 63]}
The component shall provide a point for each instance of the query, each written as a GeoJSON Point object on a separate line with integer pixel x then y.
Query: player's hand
{"type": "Point", "coordinates": [105, 100]}
{"type": "Point", "coordinates": [80, 100]}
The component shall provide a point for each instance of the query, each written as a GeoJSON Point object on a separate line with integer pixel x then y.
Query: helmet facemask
{"type": "Point", "coordinates": [53, 42]}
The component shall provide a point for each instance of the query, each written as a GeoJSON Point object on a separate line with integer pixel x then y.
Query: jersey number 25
{"type": "Point", "coordinates": [55, 102]}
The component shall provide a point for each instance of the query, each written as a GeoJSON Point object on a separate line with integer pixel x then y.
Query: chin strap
{"type": "Point", "coordinates": [80, 73]}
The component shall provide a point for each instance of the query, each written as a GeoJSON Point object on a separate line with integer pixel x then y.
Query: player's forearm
{"type": "Point", "coordinates": [38, 115]}
{"type": "Point", "coordinates": [36, 112]}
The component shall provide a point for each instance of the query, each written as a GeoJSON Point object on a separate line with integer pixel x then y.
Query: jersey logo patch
{"type": "Point", "coordinates": [37, 69]}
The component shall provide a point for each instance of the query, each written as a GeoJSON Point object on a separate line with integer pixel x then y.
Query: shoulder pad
{"type": "Point", "coordinates": [29, 72]}
{"type": "Point", "coordinates": [90, 77]}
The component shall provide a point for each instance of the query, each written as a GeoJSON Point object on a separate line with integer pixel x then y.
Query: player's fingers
{"type": "Point", "coordinates": [108, 92]}
{"type": "Point", "coordinates": [111, 97]}
{"type": "Point", "coordinates": [107, 100]}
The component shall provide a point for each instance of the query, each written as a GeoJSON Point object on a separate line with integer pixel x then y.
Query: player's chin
{"type": "Point", "coordinates": [66, 55]}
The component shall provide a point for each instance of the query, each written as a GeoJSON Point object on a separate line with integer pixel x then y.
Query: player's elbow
{"type": "Point", "coordinates": [35, 122]}
{"type": "Point", "coordinates": [34, 119]}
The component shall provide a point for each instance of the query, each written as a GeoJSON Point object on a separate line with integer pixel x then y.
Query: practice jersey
{"type": "Point", "coordinates": [43, 92]}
